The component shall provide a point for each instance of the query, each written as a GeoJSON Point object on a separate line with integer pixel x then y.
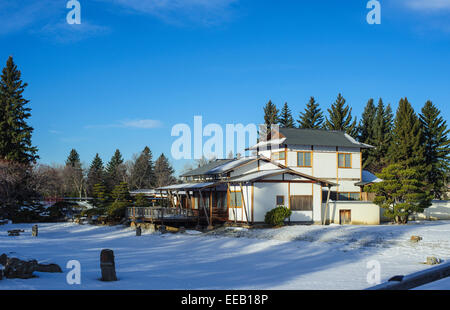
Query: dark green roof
{"type": "Point", "coordinates": [209, 166]}
{"type": "Point", "coordinates": [297, 136]}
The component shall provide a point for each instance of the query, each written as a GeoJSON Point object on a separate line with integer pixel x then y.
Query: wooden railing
{"type": "Point", "coordinates": [158, 212]}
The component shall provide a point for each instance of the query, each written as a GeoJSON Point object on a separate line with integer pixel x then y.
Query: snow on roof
{"type": "Point", "coordinates": [367, 178]}
{"type": "Point", "coordinates": [263, 144]}
{"type": "Point", "coordinates": [187, 186]}
{"type": "Point", "coordinates": [231, 165]}
{"type": "Point", "coordinates": [258, 175]}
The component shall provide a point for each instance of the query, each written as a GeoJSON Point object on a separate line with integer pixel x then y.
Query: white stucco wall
{"type": "Point", "coordinates": [362, 213]}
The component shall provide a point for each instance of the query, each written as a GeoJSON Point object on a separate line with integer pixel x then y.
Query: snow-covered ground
{"type": "Point", "coordinates": [295, 257]}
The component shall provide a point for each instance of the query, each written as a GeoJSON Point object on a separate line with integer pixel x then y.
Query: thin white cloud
{"type": "Point", "coordinates": [46, 18]}
{"type": "Point", "coordinates": [427, 5]}
{"type": "Point", "coordinates": [65, 33]}
{"type": "Point", "coordinates": [142, 123]}
{"type": "Point", "coordinates": [139, 124]}
{"type": "Point", "coordinates": [204, 12]}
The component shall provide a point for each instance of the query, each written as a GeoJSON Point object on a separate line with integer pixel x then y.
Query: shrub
{"type": "Point", "coordinates": [276, 217]}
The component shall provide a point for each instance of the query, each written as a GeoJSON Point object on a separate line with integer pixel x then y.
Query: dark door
{"type": "Point", "coordinates": [345, 217]}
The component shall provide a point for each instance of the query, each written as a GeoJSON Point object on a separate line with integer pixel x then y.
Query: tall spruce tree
{"type": "Point", "coordinates": [407, 143]}
{"type": "Point", "coordinates": [367, 131]}
{"type": "Point", "coordinates": [270, 114]}
{"type": "Point", "coordinates": [15, 133]}
{"type": "Point", "coordinates": [96, 173]}
{"type": "Point", "coordinates": [437, 148]}
{"type": "Point", "coordinates": [312, 117]}
{"type": "Point", "coordinates": [340, 118]}
{"type": "Point", "coordinates": [377, 158]}
{"type": "Point", "coordinates": [73, 160]}
{"type": "Point", "coordinates": [164, 172]}
{"type": "Point", "coordinates": [285, 118]}
{"type": "Point", "coordinates": [143, 171]}
{"type": "Point", "coordinates": [115, 171]}
{"type": "Point", "coordinates": [74, 175]}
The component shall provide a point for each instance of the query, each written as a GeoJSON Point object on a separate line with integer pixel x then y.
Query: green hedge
{"type": "Point", "coordinates": [276, 217]}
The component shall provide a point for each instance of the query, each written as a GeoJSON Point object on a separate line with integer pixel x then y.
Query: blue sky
{"type": "Point", "coordinates": [135, 68]}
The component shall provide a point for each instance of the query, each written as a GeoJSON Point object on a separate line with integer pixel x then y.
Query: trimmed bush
{"type": "Point", "coordinates": [276, 217]}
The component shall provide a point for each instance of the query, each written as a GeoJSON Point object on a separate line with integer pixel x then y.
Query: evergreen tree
{"type": "Point", "coordinates": [367, 131]}
{"type": "Point", "coordinates": [270, 118]}
{"type": "Point", "coordinates": [437, 148]}
{"type": "Point", "coordinates": [340, 118]}
{"type": "Point", "coordinates": [367, 122]}
{"type": "Point", "coordinates": [15, 133]}
{"type": "Point", "coordinates": [143, 171]}
{"type": "Point", "coordinates": [312, 118]}
{"type": "Point", "coordinates": [122, 200]}
{"type": "Point", "coordinates": [401, 192]}
{"type": "Point", "coordinates": [96, 173]}
{"type": "Point", "coordinates": [407, 143]}
{"type": "Point", "coordinates": [100, 195]}
{"type": "Point", "coordinates": [377, 158]}
{"type": "Point", "coordinates": [73, 175]}
{"type": "Point", "coordinates": [285, 119]}
{"type": "Point", "coordinates": [270, 114]}
{"type": "Point", "coordinates": [115, 171]}
{"type": "Point", "coordinates": [73, 160]}
{"type": "Point", "coordinates": [164, 172]}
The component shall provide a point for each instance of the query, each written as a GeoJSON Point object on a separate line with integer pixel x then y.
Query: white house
{"type": "Point", "coordinates": [306, 170]}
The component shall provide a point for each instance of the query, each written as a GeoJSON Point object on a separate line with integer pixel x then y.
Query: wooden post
{"type": "Point", "coordinates": [204, 207]}
{"type": "Point", "coordinates": [108, 265]}
{"type": "Point", "coordinates": [243, 202]}
{"type": "Point", "coordinates": [326, 208]}
{"type": "Point", "coordinates": [34, 231]}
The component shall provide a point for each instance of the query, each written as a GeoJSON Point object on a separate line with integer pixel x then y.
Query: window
{"type": "Point", "coordinates": [301, 203]}
{"type": "Point", "coordinates": [279, 156]}
{"type": "Point", "coordinates": [304, 159]}
{"type": "Point", "coordinates": [349, 196]}
{"type": "Point", "coordinates": [235, 199]}
{"type": "Point", "coordinates": [344, 160]}
{"type": "Point", "coordinates": [280, 200]}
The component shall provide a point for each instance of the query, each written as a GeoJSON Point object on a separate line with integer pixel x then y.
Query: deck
{"type": "Point", "coordinates": [172, 215]}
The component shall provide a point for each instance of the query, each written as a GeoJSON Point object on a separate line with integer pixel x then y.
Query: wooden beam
{"type": "Point", "coordinates": [243, 202]}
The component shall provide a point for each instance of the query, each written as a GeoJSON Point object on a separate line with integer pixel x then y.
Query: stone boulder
{"type": "Point", "coordinates": [416, 238]}
{"type": "Point", "coordinates": [433, 261]}
{"type": "Point", "coordinates": [16, 268]}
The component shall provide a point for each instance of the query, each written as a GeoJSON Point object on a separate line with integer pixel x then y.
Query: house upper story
{"type": "Point", "coordinates": [328, 155]}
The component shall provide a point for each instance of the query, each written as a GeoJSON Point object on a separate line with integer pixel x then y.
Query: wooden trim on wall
{"type": "Point", "coordinates": [253, 203]}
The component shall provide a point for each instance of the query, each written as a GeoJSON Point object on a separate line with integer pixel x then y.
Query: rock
{"type": "Point", "coordinates": [3, 259]}
{"type": "Point", "coordinates": [182, 230]}
{"type": "Point", "coordinates": [433, 261]}
{"type": "Point", "coordinates": [34, 231]}
{"type": "Point", "coordinates": [52, 268]}
{"type": "Point", "coordinates": [416, 238]}
{"type": "Point", "coordinates": [19, 269]}
{"type": "Point", "coordinates": [133, 224]}
{"type": "Point", "coordinates": [163, 229]}
{"type": "Point", "coordinates": [138, 231]}
{"type": "Point", "coordinates": [108, 265]}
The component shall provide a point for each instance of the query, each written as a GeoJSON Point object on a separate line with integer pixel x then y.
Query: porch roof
{"type": "Point", "coordinates": [262, 174]}
{"type": "Point", "coordinates": [188, 186]}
